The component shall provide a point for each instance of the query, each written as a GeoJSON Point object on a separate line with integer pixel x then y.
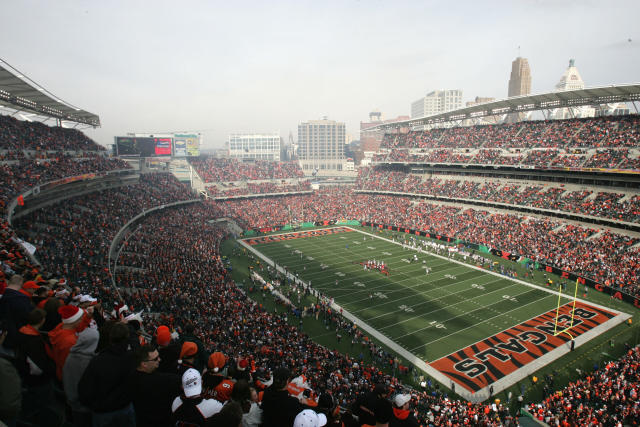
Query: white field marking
{"type": "Point", "coordinates": [356, 243]}
{"type": "Point", "coordinates": [453, 306]}
{"type": "Point", "coordinates": [387, 253]}
{"type": "Point", "coordinates": [342, 237]}
{"type": "Point", "coordinates": [310, 258]}
{"type": "Point", "coordinates": [431, 289]}
{"type": "Point", "coordinates": [449, 294]}
{"type": "Point", "coordinates": [406, 260]}
{"type": "Point", "coordinates": [287, 246]}
{"type": "Point", "coordinates": [472, 326]}
{"type": "Point", "coordinates": [359, 284]}
{"type": "Point", "coordinates": [371, 247]}
{"type": "Point", "coordinates": [384, 283]}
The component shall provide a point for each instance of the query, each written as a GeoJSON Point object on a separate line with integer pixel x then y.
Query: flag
{"type": "Point", "coordinates": [20, 200]}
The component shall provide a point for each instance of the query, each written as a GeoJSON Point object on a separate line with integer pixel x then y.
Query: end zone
{"type": "Point", "coordinates": [509, 356]}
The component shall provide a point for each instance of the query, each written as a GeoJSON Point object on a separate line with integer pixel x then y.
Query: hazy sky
{"type": "Point", "coordinates": [264, 66]}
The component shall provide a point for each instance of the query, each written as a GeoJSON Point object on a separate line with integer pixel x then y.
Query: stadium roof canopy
{"type": "Point", "coordinates": [20, 93]}
{"type": "Point", "coordinates": [524, 103]}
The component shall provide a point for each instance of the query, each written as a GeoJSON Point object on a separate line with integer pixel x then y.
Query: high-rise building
{"type": "Point", "coordinates": [254, 146]}
{"type": "Point", "coordinates": [321, 145]}
{"type": "Point", "coordinates": [520, 80]}
{"type": "Point", "coordinates": [571, 80]}
{"type": "Point", "coordinates": [438, 101]}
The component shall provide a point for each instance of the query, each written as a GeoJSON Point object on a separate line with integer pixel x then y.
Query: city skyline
{"type": "Point", "coordinates": [220, 68]}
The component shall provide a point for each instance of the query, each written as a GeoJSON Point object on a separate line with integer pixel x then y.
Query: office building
{"type": "Point", "coordinates": [321, 145]}
{"type": "Point", "coordinates": [438, 101]}
{"type": "Point", "coordinates": [254, 146]}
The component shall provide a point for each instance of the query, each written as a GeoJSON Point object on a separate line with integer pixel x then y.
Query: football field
{"type": "Point", "coordinates": [461, 324]}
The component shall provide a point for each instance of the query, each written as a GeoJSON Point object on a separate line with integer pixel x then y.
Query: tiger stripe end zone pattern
{"type": "Point", "coordinates": [511, 355]}
{"type": "Point", "coordinates": [297, 235]}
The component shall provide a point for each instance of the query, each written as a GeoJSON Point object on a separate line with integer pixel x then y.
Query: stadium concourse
{"type": "Point", "coordinates": [175, 339]}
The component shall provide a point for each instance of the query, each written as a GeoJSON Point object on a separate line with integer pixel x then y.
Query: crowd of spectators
{"type": "Point", "coordinates": [601, 204]}
{"type": "Point", "coordinates": [213, 169]}
{"type": "Point", "coordinates": [607, 396]}
{"type": "Point", "coordinates": [18, 135]}
{"type": "Point", "coordinates": [610, 158]}
{"type": "Point", "coordinates": [600, 132]}
{"type": "Point", "coordinates": [590, 143]}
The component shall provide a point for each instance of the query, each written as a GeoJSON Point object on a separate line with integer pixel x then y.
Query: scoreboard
{"type": "Point", "coordinates": [160, 146]}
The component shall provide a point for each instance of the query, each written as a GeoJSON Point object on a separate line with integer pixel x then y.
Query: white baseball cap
{"type": "Point", "coordinates": [401, 399]}
{"type": "Point", "coordinates": [191, 383]}
{"type": "Point", "coordinates": [309, 418]}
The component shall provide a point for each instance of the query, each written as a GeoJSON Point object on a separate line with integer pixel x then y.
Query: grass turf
{"type": "Point", "coordinates": [431, 315]}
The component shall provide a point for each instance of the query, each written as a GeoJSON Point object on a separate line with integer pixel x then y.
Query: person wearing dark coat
{"type": "Point", "coordinates": [32, 353]}
{"type": "Point", "coordinates": [278, 408]}
{"type": "Point", "coordinates": [153, 391]}
{"type": "Point", "coordinates": [105, 384]}
{"type": "Point", "coordinates": [15, 306]}
{"type": "Point", "coordinates": [364, 405]}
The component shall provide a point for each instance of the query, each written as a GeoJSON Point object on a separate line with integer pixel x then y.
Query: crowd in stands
{"type": "Point", "coordinates": [590, 143]}
{"type": "Point", "coordinates": [607, 396]}
{"type": "Point", "coordinates": [601, 132]}
{"type": "Point", "coordinates": [18, 135]}
{"type": "Point", "coordinates": [213, 169]}
{"type": "Point", "coordinates": [610, 158]}
{"type": "Point", "coordinates": [603, 204]}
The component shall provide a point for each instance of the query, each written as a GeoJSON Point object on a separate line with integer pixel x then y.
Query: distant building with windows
{"type": "Point", "coordinates": [436, 102]}
{"type": "Point", "coordinates": [321, 145]}
{"type": "Point", "coordinates": [254, 146]}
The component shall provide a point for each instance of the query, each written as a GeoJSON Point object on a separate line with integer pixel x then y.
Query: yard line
{"type": "Point", "coordinates": [468, 327]}
{"type": "Point", "coordinates": [421, 293]}
{"type": "Point", "coordinates": [369, 319]}
{"type": "Point", "coordinates": [466, 313]}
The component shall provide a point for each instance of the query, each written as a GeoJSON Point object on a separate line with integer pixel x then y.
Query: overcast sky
{"type": "Point", "coordinates": [265, 66]}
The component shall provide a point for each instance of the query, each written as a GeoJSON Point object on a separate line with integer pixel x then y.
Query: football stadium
{"type": "Point", "coordinates": [478, 266]}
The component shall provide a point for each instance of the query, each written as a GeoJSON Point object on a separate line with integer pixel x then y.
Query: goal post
{"type": "Point", "coordinates": [556, 332]}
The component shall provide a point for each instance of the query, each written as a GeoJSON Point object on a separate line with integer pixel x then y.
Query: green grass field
{"type": "Point", "coordinates": [451, 312]}
{"type": "Point", "coordinates": [430, 315]}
